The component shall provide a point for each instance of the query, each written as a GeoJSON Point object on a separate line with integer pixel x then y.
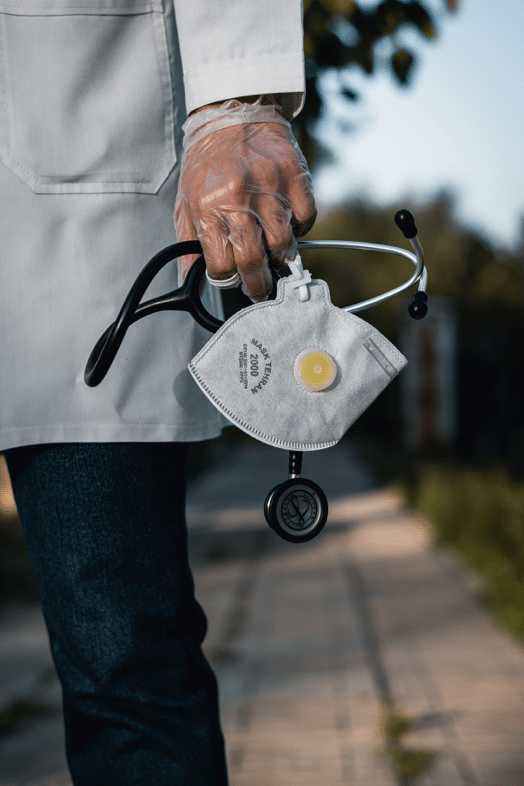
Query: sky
{"type": "Point", "coordinates": [459, 125]}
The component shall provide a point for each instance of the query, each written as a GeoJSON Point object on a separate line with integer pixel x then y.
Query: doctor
{"type": "Point", "coordinates": [95, 96]}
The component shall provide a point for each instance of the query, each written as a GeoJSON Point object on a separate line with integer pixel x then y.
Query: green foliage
{"type": "Point", "coordinates": [402, 63]}
{"type": "Point", "coordinates": [410, 763]}
{"type": "Point", "coordinates": [481, 513]}
{"type": "Point", "coordinates": [406, 763]}
{"type": "Point", "coordinates": [339, 34]}
{"type": "Point", "coordinates": [395, 723]}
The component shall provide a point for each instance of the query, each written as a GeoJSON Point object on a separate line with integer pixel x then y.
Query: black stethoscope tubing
{"type": "Point", "coordinates": [185, 298]}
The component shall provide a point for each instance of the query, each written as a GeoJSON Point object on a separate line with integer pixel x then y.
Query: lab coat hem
{"type": "Point", "coordinates": [103, 432]}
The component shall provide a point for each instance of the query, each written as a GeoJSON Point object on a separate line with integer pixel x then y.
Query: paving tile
{"type": "Point", "coordinates": [444, 772]}
{"type": "Point", "coordinates": [26, 757]}
{"type": "Point", "coordinates": [492, 766]}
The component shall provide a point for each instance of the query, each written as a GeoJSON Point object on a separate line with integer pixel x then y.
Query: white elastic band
{"type": "Point", "coordinates": [225, 283]}
{"type": "Point", "coordinates": [231, 113]}
{"type": "Point", "coordinates": [301, 278]}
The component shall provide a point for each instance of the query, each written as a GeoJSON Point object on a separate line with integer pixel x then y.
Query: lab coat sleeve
{"type": "Point", "coordinates": [233, 48]}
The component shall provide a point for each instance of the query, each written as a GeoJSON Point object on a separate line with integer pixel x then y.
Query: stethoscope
{"type": "Point", "coordinates": [296, 509]}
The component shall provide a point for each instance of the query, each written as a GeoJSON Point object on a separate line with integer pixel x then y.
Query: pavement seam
{"type": "Point", "coordinates": [235, 623]}
{"type": "Point", "coordinates": [435, 700]}
{"type": "Point", "coordinates": [393, 750]}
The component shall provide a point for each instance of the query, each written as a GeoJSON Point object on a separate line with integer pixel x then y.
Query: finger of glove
{"type": "Point", "coordinates": [209, 186]}
{"type": "Point", "coordinates": [245, 237]}
{"type": "Point", "coordinates": [213, 233]}
{"type": "Point", "coordinates": [275, 219]}
{"type": "Point", "coordinates": [285, 174]}
{"type": "Point", "coordinates": [185, 230]}
{"type": "Point", "coordinates": [297, 187]}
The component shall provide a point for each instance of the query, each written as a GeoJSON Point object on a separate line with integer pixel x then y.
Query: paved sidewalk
{"type": "Point", "coordinates": [309, 641]}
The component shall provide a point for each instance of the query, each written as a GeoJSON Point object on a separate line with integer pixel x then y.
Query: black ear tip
{"type": "Point", "coordinates": [418, 308]}
{"type": "Point", "coordinates": [406, 223]}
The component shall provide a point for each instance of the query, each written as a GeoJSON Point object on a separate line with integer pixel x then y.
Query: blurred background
{"type": "Point", "coordinates": [418, 105]}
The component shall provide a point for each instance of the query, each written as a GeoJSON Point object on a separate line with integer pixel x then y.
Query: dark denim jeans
{"type": "Point", "coordinates": [106, 532]}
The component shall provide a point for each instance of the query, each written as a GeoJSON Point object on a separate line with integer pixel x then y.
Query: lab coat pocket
{"type": "Point", "coordinates": [86, 99]}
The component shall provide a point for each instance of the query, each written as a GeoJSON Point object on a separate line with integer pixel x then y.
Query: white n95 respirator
{"type": "Point", "coordinates": [297, 371]}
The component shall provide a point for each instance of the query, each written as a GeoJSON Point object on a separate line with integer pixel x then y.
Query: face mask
{"type": "Point", "coordinates": [296, 372]}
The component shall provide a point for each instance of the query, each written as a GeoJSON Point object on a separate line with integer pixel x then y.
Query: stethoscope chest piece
{"type": "Point", "coordinates": [296, 509]}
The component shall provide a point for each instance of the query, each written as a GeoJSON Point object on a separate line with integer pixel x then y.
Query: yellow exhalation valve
{"type": "Point", "coordinates": [314, 370]}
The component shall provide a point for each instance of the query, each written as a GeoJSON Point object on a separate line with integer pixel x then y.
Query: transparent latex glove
{"type": "Point", "coordinates": [244, 192]}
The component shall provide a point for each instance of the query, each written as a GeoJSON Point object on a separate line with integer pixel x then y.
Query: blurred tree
{"type": "Point", "coordinates": [339, 34]}
{"type": "Point", "coordinates": [483, 284]}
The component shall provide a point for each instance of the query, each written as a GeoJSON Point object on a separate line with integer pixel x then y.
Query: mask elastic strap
{"type": "Point", "coordinates": [301, 278]}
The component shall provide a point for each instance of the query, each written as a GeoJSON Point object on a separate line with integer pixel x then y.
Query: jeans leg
{"type": "Point", "coordinates": [106, 531]}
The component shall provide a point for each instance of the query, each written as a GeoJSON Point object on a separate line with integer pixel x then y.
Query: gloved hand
{"type": "Point", "coordinates": [244, 192]}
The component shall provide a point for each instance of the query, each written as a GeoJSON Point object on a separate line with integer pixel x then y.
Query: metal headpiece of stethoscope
{"type": "Point", "coordinates": [296, 509]}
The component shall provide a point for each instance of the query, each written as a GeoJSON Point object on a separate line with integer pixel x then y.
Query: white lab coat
{"type": "Point", "coordinates": [93, 97]}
